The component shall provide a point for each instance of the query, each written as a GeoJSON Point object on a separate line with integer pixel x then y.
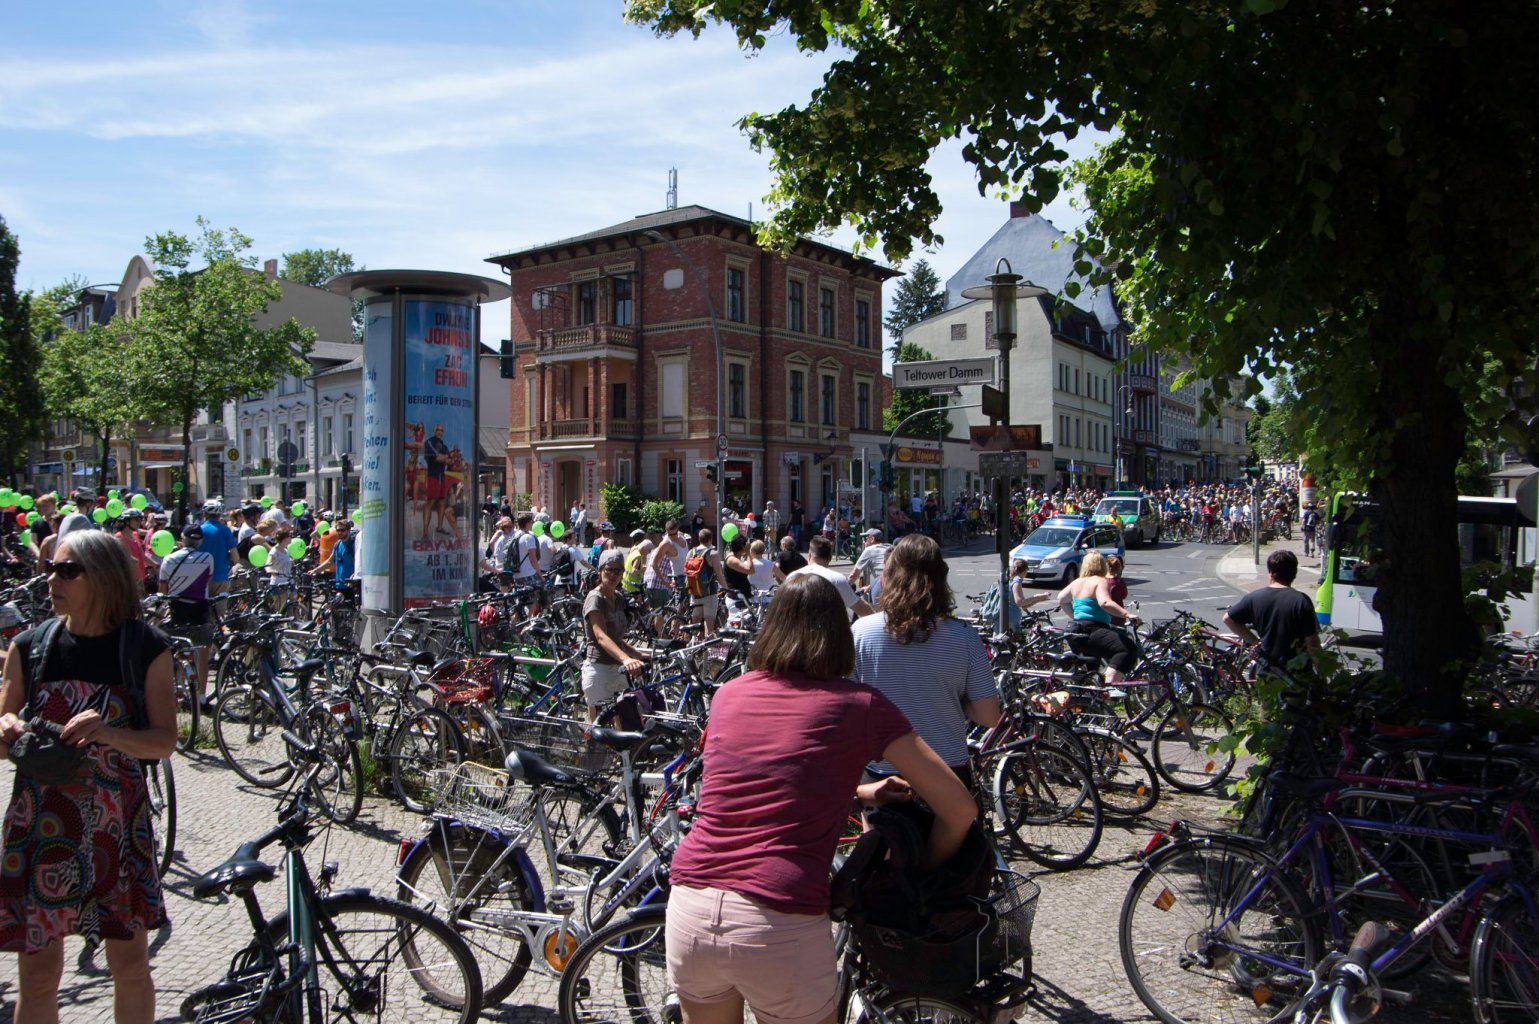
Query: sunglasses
{"type": "Point", "coordinates": [65, 570]}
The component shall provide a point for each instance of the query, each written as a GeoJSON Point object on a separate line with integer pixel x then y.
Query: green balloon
{"type": "Point", "coordinates": [114, 509]}
{"type": "Point", "coordinates": [357, 517]}
{"type": "Point", "coordinates": [7, 498]}
{"type": "Point", "coordinates": [296, 548]}
{"type": "Point", "coordinates": [65, 510]}
{"type": "Point", "coordinates": [26, 501]}
{"type": "Point", "coordinates": [558, 529]}
{"type": "Point", "coordinates": [324, 526]}
{"type": "Point", "coordinates": [162, 542]}
{"type": "Point", "coordinates": [539, 528]}
{"type": "Point", "coordinates": [728, 532]}
{"type": "Point", "coordinates": [178, 487]}
{"type": "Point", "coordinates": [32, 517]}
{"type": "Point", "coordinates": [258, 556]}
{"type": "Point", "coordinates": [100, 515]}
{"type": "Point", "coordinates": [139, 502]}
{"type": "Point", "coordinates": [297, 509]}
{"type": "Point", "coordinates": [267, 501]}
{"type": "Point", "coordinates": [112, 495]}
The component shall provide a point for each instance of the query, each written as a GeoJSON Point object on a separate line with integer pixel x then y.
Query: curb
{"type": "Point", "coordinates": [1237, 568]}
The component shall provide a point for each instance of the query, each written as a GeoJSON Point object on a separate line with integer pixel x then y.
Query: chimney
{"type": "Point", "coordinates": [270, 268]}
{"type": "Point", "coordinates": [1018, 208]}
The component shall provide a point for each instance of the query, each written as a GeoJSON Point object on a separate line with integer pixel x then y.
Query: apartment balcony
{"type": "Point", "coordinates": [209, 432]}
{"type": "Point", "coordinates": [584, 429]}
{"type": "Point", "coordinates": [1143, 383]}
{"type": "Point", "coordinates": [1144, 437]}
{"type": "Point", "coordinates": [587, 340]}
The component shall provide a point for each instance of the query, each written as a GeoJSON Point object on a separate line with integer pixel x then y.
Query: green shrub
{"type": "Point", "coordinates": [621, 505]}
{"type": "Point", "coordinates": [655, 513]}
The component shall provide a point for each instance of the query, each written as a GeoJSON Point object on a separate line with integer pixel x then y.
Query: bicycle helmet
{"type": "Point", "coordinates": [213, 506]}
{"type": "Point", "coordinates": [606, 527]}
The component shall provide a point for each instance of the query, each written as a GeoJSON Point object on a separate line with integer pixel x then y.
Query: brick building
{"type": "Point", "coordinates": [616, 381]}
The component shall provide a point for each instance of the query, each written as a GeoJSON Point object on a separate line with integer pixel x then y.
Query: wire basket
{"type": "Point", "coordinates": [465, 681]}
{"type": "Point", "coordinates": [561, 741]}
{"type": "Point", "coordinates": [1014, 897]}
{"type": "Point", "coordinates": [477, 795]}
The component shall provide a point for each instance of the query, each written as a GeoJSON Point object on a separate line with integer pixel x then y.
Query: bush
{"type": "Point", "coordinates": [655, 513]}
{"type": "Point", "coordinates": [621, 505]}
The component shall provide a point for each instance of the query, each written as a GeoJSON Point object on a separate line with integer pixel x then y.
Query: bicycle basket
{"type": "Point", "coordinates": [561, 741]}
{"type": "Point", "coordinates": [1014, 898]}
{"type": "Point", "coordinates": [465, 681]}
{"type": "Point", "coordinates": [477, 795]}
{"type": "Point", "coordinates": [947, 959]}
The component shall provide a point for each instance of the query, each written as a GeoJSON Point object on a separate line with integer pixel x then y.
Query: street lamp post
{"type": "Point", "coordinates": [1005, 288]}
{"type": "Point", "coordinates": [1119, 416]}
{"type": "Point", "coordinates": [721, 422]}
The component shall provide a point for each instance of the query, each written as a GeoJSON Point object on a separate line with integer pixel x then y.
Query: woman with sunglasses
{"type": "Point", "coordinates": [77, 858]}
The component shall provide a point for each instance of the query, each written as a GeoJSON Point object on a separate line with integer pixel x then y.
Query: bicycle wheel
{"type": "Point", "coordinates": [458, 878]}
{"type": "Point", "coordinates": [426, 740]}
{"type": "Point", "coordinates": [483, 740]}
{"type": "Point", "coordinates": [620, 973]}
{"type": "Point", "coordinates": [1211, 930]}
{"type": "Point", "coordinates": [382, 960]}
{"type": "Point", "coordinates": [338, 788]}
{"type": "Point", "coordinates": [1504, 965]}
{"type": "Point", "coordinates": [1185, 747]}
{"type": "Point", "coordinates": [187, 711]}
{"type": "Point", "coordinates": [1122, 774]}
{"type": "Point", "coordinates": [894, 1009]}
{"type": "Point", "coordinates": [250, 736]}
{"type": "Point", "coordinates": [239, 667]}
{"type": "Point", "coordinates": [1046, 801]}
{"type": "Point", "coordinates": [161, 785]}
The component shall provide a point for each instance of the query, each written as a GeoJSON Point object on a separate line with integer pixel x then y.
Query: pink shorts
{"type": "Point", "coordinates": [722, 946]}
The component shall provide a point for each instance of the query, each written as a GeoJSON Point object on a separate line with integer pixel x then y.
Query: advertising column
{"type": "Point", "coordinates": [439, 443]}
{"type": "Point", "coordinates": [376, 472]}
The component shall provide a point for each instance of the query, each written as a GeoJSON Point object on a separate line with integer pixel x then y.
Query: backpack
{"type": "Point", "coordinates": [130, 643]}
{"type": "Point", "coordinates": [594, 552]}
{"type": "Point", "coordinates": [989, 606]}
{"type": "Point", "coordinates": [695, 578]}
{"type": "Point", "coordinates": [513, 557]}
{"type": "Point", "coordinates": [931, 931]}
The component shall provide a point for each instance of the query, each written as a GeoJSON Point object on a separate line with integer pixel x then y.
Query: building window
{"type": "Point", "coordinates": [623, 472]}
{"type": "Point", "coordinates": [736, 307]}
{"type": "Point", "coordinates": [826, 312]}
{"type": "Point", "coordinates": [587, 293]}
{"type": "Point", "coordinates": [670, 385]}
{"type": "Point", "coordinates": [797, 397]}
{"type": "Point", "coordinates": [328, 444]}
{"type": "Point", "coordinates": [827, 387]}
{"type": "Point", "coordinates": [796, 319]}
{"type": "Point", "coordinates": [674, 480]}
{"type": "Point", "coordinates": [299, 440]}
{"type": "Point", "coordinates": [737, 391]}
{"type": "Point", "coordinates": [862, 323]}
{"type": "Point", "coordinates": [862, 406]}
{"type": "Point", "coordinates": [246, 446]}
{"type": "Point", "coordinates": [622, 300]}
{"type": "Point", "coordinates": [959, 332]}
{"type": "Point", "coordinates": [347, 432]}
{"type": "Point", "coordinates": [617, 401]}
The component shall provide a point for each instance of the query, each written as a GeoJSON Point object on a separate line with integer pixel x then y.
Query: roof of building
{"type": "Point", "coordinates": [669, 218]}
{"type": "Point", "coordinates": [1041, 254]}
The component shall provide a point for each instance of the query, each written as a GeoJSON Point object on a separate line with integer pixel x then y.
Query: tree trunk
{"type": "Point", "coordinates": [181, 496]}
{"type": "Point", "coordinates": [1428, 638]}
{"type": "Point", "coordinates": [105, 438]}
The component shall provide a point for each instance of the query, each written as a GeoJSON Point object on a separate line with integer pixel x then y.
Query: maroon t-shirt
{"type": "Point", "coordinates": [783, 756]}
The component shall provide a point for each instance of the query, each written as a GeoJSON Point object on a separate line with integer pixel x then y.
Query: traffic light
{"type": "Point", "coordinates": [506, 366]}
{"type": "Point", "coordinates": [711, 471]}
{"type": "Point", "coordinates": [886, 479]}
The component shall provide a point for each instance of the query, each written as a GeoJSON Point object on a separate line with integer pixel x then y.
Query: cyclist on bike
{"type": "Point", "coordinates": [867, 573]}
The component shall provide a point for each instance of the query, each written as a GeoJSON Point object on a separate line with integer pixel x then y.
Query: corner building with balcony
{"type": "Point", "coordinates": [614, 337]}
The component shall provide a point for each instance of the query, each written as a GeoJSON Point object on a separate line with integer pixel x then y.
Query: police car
{"type": "Point", "coordinates": [1134, 512]}
{"type": "Point", "coordinates": [1054, 550]}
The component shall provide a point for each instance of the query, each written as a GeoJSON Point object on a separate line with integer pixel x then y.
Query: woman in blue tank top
{"type": "Point", "coordinates": [1088, 599]}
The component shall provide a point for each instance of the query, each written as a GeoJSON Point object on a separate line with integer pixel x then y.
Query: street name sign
{"type": "Point", "coordinates": [936, 373]}
{"type": "Point", "coordinates": [1004, 464]}
{"type": "Point", "coordinates": [705, 464]}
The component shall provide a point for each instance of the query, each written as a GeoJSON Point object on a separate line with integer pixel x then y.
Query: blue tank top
{"type": "Point", "coordinates": [1088, 609]}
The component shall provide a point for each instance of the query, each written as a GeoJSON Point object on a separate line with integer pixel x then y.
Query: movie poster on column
{"type": "Point", "coordinates": [438, 442]}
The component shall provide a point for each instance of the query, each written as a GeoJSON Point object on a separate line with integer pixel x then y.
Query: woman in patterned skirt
{"type": "Point", "coordinates": [78, 858]}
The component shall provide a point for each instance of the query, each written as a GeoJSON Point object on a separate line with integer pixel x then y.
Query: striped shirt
{"type": "Point", "coordinates": [927, 681]}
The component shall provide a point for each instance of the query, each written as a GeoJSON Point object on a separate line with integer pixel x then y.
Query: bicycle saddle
{"type": "Point", "coordinates": [535, 770]}
{"type": "Point", "coordinates": [617, 738]}
{"type": "Point", "coordinates": [241, 873]}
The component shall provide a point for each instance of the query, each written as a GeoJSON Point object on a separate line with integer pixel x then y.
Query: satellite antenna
{"type": "Point", "coordinates": [673, 188]}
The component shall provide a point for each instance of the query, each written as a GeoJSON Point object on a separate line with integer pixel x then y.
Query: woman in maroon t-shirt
{"type": "Point", "coordinates": [786, 748]}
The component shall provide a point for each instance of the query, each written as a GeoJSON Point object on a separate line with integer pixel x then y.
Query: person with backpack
{"type": "Point", "coordinates": [522, 558]}
{"type": "Point", "coordinates": [101, 679]}
{"type": "Point", "coordinates": [748, 910]}
{"type": "Point", "coordinates": [704, 579]}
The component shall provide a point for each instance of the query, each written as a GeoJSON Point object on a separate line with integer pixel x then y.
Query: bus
{"type": "Point", "coordinates": [1491, 530]}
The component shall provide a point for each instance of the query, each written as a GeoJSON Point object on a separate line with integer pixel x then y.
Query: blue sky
{"type": "Point", "coordinates": [409, 134]}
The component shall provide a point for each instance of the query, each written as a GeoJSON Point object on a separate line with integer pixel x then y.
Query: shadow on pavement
{"type": "Point", "coordinates": [1055, 1004]}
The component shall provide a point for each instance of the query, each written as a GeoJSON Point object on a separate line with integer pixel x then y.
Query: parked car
{"type": "Point", "coordinates": [1134, 512]}
{"type": "Point", "coordinates": [1054, 550]}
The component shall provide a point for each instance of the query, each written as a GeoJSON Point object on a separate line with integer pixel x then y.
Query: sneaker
{"type": "Point", "coordinates": [206, 705]}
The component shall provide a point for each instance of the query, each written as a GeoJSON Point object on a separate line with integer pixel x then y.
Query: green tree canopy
{"type": "Point", "coordinates": [88, 376]}
{"type": "Point", "coordinates": [1346, 189]}
{"type": "Point", "coordinates": [910, 401]}
{"type": "Point", "coordinates": [918, 296]}
{"type": "Point", "coordinates": [196, 342]}
{"type": "Point", "coordinates": [22, 421]}
{"type": "Point", "coordinates": [315, 267]}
